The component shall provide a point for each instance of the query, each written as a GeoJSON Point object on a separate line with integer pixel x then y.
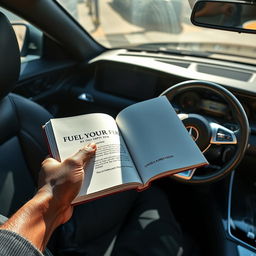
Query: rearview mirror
{"type": "Point", "coordinates": [227, 15]}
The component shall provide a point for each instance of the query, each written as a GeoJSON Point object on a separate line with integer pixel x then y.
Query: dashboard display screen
{"type": "Point", "coordinates": [126, 81]}
{"type": "Point", "coordinates": [213, 107]}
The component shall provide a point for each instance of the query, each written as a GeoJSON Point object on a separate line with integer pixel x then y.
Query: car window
{"type": "Point", "coordinates": [29, 38]}
{"type": "Point", "coordinates": [156, 25]}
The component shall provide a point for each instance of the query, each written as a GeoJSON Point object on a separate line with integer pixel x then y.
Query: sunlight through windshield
{"type": "Point", "coordinates": [156, 25]}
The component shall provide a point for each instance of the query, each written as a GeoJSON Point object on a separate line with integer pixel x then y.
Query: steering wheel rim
{"type": "Point", "coordinates": [238, 113]}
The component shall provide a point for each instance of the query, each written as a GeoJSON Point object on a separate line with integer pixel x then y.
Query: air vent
{"type": "Point", "coordinates": [176, 63]}
{"type": "Point", "coordinates": [225, 72]}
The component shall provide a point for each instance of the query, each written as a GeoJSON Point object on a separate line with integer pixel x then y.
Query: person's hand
{"type": "Point", "coordinates": [63, 180]}
{"type": "Point", "coordinates": [59, 184]}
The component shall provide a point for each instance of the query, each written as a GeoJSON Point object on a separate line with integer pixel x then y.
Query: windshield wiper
{"type": "Point", "coordinates": [180, 49]}
{"type": "Point", "coordinates": [170, 48]}
{"type": "Point", "coordinates": [171, 51]}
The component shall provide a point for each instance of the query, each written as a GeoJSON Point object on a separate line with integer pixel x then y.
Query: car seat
{"type": "Point", "coordinates": [22, 146]}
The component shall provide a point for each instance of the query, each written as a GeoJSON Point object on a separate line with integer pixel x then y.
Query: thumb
{"type": "Point", "coordinates": [85, 153]}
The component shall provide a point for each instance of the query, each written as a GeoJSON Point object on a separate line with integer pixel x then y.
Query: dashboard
{"type": "Point", "coordinates": [137, 77]}
{"type": "Point", "coordinates": [118, 78]}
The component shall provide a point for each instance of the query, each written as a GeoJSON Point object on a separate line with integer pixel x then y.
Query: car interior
{"type": "Point", "coordinates": [63, 71]}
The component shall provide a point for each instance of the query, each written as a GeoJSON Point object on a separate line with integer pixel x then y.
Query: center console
{"type": "Point", "coordinates": [242, 211]}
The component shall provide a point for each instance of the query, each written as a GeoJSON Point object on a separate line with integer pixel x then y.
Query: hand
{"type": "Point", "coordinates": [64, 180]}
{"type": "Point", "coordinates": [59, 184]}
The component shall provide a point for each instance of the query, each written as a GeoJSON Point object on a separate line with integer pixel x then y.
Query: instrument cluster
{"type": "Point", "coordinates": [206, 103]}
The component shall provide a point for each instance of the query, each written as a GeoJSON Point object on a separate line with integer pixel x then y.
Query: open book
{"type": "Point", "coordinates": [146, 141]}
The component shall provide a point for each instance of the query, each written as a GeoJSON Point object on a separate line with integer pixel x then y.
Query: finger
{"type": "Point", "coordinates": [48, 156]}
{"type": "Point", "coordinates": [85, 153]}
{"type": "Point", "coordinates": [50, 160]}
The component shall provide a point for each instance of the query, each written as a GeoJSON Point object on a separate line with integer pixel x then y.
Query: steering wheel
{"type": "Point", "coordinates": [209, 133]}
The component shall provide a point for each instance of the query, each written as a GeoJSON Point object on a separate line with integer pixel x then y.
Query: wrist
{"type": "Point", "coordinates": [37, 219]}
{"type": "Point", "coordinates": [48, 206]}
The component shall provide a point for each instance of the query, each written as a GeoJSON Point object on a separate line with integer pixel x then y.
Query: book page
{"type": "Point", "coordinates": [157, 139]}
{"type": "Point", "coordinates": [112, 164]}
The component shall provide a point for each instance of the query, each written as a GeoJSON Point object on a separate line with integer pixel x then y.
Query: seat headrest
{"type": "Point", "coordinates": [9, 57]}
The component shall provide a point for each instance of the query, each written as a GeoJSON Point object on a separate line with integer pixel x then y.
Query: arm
{"type": "Point", "coordinates": [59, 184]}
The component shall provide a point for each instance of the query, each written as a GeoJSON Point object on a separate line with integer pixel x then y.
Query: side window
{"type": "Point", "coordinates": [29, 37]}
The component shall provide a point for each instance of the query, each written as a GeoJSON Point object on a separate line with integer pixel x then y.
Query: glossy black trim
{"type": "Point", "coordinates": [229, 215]}
{"type": "Point", "coordinates": [239, 30]}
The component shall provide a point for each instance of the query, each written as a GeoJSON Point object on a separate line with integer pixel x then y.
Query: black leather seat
{"type": "Point", "coordinates": [22, 146]}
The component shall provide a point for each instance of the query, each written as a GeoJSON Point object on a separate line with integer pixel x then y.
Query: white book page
{"type": "Point", "coordinates": [112, 164]}
{"type": "Point", "coordinates": [157, 139]}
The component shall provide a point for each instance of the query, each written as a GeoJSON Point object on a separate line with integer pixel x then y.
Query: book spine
{"type": "Point", "coordinates": [47, 142]}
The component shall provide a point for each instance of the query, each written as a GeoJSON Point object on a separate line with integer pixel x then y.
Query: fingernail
{"type": "Point", "coordinates": [90, 147]}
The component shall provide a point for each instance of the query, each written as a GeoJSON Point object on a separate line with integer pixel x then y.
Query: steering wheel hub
{"type": "Point", "coordinates": [199, 129]}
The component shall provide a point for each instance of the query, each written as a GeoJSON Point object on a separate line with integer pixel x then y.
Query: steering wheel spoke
{"type": "Point", "coordinates": [221, 135]}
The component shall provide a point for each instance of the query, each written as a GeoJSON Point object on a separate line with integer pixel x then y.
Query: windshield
{"type": "Point", "coordinates": [157, 25]}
